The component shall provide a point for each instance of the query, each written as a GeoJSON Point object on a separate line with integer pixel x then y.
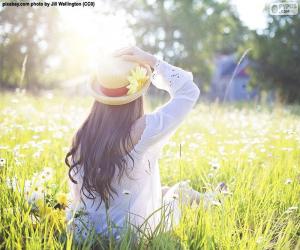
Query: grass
{"type": "Point", "coordinates": [254, 150]}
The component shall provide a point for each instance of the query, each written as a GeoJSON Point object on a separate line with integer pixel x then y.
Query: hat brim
{"type": "Point", "coordinates": [118, 100]}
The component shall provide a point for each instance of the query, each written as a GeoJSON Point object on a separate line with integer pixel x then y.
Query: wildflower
{"type": "Point", "coordinates": [12, 182]}
{"type": "Point", "coordinates": [210, 175]}
{"type": "Point", "coordinates": [34, 196]}
{"type": "Point", "coordinates": [62, 199]}
{"type": "Point", "coordinates": [259, 240]}
{"type": "Point", "coordinates": [215, 164]}
{"type": "Point", "coordinates": [35, 137]}
{"type": "Point", "coordinates": [44, 209]}
{"type": "Point", "coordinates": [216, 203]}
{"type": "Point", "coordinates": [137, 79]}
{"type": "Point", "coordinates": [126, 192]}
{"type": "Point", "coordinates": [263, 150]}
{"type": "Point", "coordinates": [37, 154]}
{"type": "Point", "coordinates": [222, 188]}
{"type": "Point", "coordinates": [2, 162]}
{"type": "Point", "coordinates": [27, 187]}
{"type": "Point", "coordinates": [211, 199]}
{"type": "Point", "coordinates": [252, 156]}
{"type": "Point", "coordinates": [18, 162]}
{"type": "Point", "coordinates": [175, 196]}
{"type": "Point", "coordinates": [291, 210]}
{"type": "Point", "coordinates": [288, 181]}
{"type": "Point", "coordinates": [48, 172]}
{"type": "Point", "coordinates": [58, 135]}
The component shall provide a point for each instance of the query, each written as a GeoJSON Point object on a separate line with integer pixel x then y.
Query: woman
{"type": "Point", "coordinates": [114, 155]}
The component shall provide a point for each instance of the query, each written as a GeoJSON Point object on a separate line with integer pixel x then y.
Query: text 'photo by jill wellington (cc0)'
{"type": "Point", "coordinates": [154, 124]}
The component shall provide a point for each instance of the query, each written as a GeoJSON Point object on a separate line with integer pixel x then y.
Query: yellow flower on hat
{"type": "Point", "coordinates": [137, 79]}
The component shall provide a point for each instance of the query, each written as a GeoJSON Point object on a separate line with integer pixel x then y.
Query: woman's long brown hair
{"type": "Point", "coordinates": [96, 147]}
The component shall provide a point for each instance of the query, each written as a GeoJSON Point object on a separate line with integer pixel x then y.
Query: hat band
{"type": "Point", "coordinates": [114, 92]}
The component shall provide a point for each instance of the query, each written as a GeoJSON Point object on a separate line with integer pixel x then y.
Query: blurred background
{"type": "Point", "coordinates": [236, 49]}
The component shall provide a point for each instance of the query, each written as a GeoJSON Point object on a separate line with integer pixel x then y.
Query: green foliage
{"type": "Point", "coordinates": [28, 38]}
{"type": "Point", "coordinates": [276, 53]}
{"type": "Point", "coordinates": [255, 151]}
{"type": "Point", "coordinates": [186, 33]}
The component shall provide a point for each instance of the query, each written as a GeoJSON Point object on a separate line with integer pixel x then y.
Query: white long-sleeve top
{"type": "Point", "coordinates": [140, 195]}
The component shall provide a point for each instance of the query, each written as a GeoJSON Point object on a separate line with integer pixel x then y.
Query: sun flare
{"type": "Point", "coordinates": [93, 34]}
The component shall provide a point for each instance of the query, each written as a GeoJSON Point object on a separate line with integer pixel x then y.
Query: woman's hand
{"type": "Point", "coordinates": [136, 54]}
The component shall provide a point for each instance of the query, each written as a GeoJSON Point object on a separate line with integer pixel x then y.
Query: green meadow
{"type": "Point", "coordinates": [254, 149]}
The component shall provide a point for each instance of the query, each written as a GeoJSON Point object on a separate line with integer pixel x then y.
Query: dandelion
{"type": "Point", "coordinates": [44, 209]}
{"type": "Point", "coordinates": [62, 199]}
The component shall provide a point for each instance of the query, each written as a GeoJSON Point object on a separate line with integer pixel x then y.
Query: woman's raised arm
{"type": "Point", "coordinates": [163, 122]}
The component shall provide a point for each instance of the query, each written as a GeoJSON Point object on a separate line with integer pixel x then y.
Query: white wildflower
{"type": "Point", "coordinates": [35, 196]}
{"type": "Point", "coordinates": [37, 154]}
{"type": "Point", "coordinates": [291, 210]}
{"type": "Point", "coordinates": [12, 183]}
{"type": "Point", "coordinates": [210, 175]}
{"type": "Point", "coordinates": [214, 164]}
{"type": "Point", "coordinates": [288, 181]}
{"type": "Point", "coordinates": [175, 196]}
{"type": "Point", "coordinates": [259, 240]}
{"type": "Point", "coordinates": [222, 188]}
{"type": "Point", "coordinates": [2, 162]}
{"type": "Point", "coordinates": [126, 192]}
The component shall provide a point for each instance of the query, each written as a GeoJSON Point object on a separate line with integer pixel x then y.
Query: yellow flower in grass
{"type": "Point", "coordinates": [137, 79]}
{"type": "Point", "coordinates": [58, 218]}
{"type": "Point", "coordinates": [62, 199]}
{"type": "Point", "coordinates": [44, 209]}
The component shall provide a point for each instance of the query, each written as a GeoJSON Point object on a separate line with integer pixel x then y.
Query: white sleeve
{"type": "Point", "coordinates": [184, 93]}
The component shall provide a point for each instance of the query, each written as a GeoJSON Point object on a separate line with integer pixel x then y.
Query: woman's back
{"type": "Point", "coordinates": [138, 192]}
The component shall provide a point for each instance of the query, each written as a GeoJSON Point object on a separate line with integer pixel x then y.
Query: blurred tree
{"type": "Point", "coordinates": [276, 52]}
{"type": "Point", "coordinates": [188, 33]}
{"type": "Point", "coordinates": [28, 38]}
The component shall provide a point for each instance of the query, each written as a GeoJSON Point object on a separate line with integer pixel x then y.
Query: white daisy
{"type": "Point", "coordinates": [2, 162]}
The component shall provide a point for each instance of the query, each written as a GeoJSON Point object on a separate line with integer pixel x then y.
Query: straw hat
{"type": "Point", "coordinates": [110, 85]}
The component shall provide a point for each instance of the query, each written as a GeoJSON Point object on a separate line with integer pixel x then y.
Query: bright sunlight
{"type": "Point", "coordinates": [95, 33]}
